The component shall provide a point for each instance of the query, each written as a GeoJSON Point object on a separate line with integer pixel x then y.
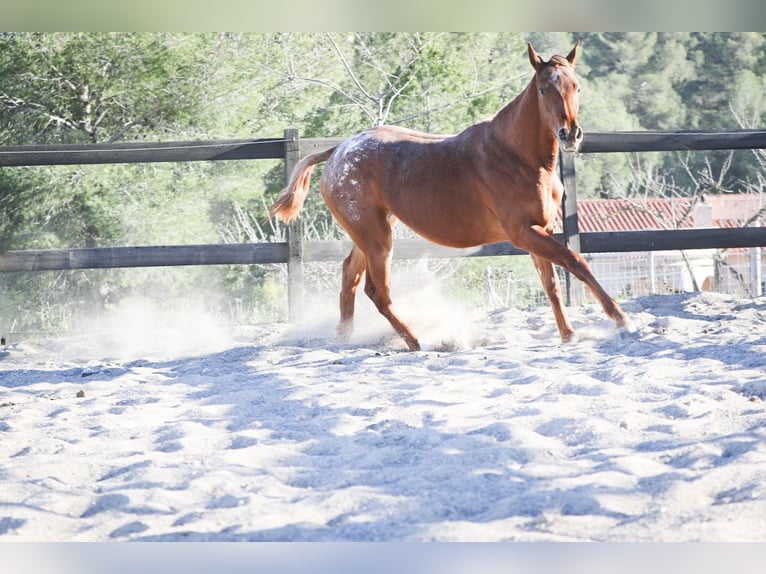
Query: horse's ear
{"type": "Point", "coordinates": [572, 56]}
{"type": "Point", "coordinates": [534, 57]}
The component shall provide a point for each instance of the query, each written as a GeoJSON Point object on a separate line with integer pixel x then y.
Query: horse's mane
{"type": "Point", "coordinates": [559, 61]}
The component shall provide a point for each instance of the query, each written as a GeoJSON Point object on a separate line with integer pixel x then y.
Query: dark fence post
{"type": "Point", "coordinates": [574, 288]}
{"type": "Point", "coordinates": [294, 234]}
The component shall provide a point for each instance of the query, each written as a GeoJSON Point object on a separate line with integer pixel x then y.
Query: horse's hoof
{"type": "Point", "coordinates": [627, 326]}
{"type": "Point", "coordinates": [569, 337]}
{"type": "Point", "coordinates": [413, 344]}
{"type": "Point", "coordinates": [343, 333]}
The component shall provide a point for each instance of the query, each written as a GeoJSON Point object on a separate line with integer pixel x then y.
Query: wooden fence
{"type": "Point", "coordinates": [295, 251]}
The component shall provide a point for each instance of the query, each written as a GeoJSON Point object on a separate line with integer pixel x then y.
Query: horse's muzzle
{"type": "Point", "coordinates": [570, 139]}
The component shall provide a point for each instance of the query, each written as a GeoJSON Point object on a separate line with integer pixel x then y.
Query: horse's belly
{"type": "Point", "coordinates": [457, 228]}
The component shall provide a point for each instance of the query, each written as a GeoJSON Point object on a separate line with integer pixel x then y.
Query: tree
{"type": "Point", "coordinates": [87, 88]}
{"type": "Point", "coordinates": [719, 60]}
{"type": "Point", "coordinates": [93, 87]}
{"type": "Point", "coordinates": [90, 88]}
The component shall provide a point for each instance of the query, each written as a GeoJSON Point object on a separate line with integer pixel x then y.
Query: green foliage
{"type": "Point", "coordinates": [670, 81]}
{"type": "Point", "coordinates": [94, 87]}
{"type": "Point", "coordinates": [495, 282]}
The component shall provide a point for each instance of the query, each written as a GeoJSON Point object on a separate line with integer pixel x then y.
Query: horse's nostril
{"type": "Point", "coordinates": [578, 133]}
{"type": "Point", "coordinates": [563, 134]}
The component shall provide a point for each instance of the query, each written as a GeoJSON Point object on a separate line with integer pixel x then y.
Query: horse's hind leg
{"type": "Point", "coordinates": [353, 268]}
{"type": "Point", "coordinates": [370, 230]}
{"type": "Point", "coordinates": [377, 289]}
{"type": "Point", "coordinates": [372, 238]}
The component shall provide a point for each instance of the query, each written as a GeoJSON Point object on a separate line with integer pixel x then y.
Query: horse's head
{"type": "Point", "coordinates": [557, 96]}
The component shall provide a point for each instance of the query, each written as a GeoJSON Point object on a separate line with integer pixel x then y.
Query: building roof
{"type": "Point", "coordinates": [669, 213]}
{"type": "Point", "coordinates": [634, 215]}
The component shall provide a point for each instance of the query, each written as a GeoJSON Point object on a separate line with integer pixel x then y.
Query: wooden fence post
{"type": "Point", "coordinates": [574, 288]}
{"type": "Point", "coordinates": [294, 234]}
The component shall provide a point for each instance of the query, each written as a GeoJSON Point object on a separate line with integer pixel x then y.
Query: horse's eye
{"type": "Point", "coordinates": [543, 91]}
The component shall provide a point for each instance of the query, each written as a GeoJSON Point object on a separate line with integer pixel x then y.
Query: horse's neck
{"type": "Point", "coordinates": [518, 126]}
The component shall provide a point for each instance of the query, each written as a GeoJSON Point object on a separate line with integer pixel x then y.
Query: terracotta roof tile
{"type": "Point", "coordinates": [633, 215]}
{"type": "Point", "coordinates": [664, 213]}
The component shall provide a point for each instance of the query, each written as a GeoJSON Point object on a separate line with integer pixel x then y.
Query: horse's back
{"type": "Point", "coordinates": [428, 181]}
{"type": "Point", "coordinates": [380, 157]}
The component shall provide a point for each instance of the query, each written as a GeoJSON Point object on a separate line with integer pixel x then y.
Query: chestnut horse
{"type": "Point", "coordinates": [494, 181]}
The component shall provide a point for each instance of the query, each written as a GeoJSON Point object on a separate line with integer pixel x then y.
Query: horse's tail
{"type": "Point", "coordinates": [290, 201]}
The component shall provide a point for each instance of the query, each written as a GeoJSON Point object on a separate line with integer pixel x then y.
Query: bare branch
{"type": "Point", "coordinates": [760, 154]}
{"type": "Point", "coordinates": [457, 102]}
{"type": "Point", "coordinates": [292, 75]}
{"type": "Point", "coordinates": [348, 69]}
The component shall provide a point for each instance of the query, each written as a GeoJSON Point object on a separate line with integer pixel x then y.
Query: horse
{"type": "Point", "coordinates": [494, 181]}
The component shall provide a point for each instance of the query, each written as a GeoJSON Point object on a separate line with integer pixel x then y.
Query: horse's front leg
{"type": "Point", "coordinates": [552, 287]}
{"type": "Point", "coordinates": [537, 241]}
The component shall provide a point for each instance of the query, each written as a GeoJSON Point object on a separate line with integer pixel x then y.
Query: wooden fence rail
{"type": "Point", "coordinates": [295, 251]}
{"type": "Point", "coordinates": [322, 251]}
{"type": "Point", "coordinates": [141, 152]}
